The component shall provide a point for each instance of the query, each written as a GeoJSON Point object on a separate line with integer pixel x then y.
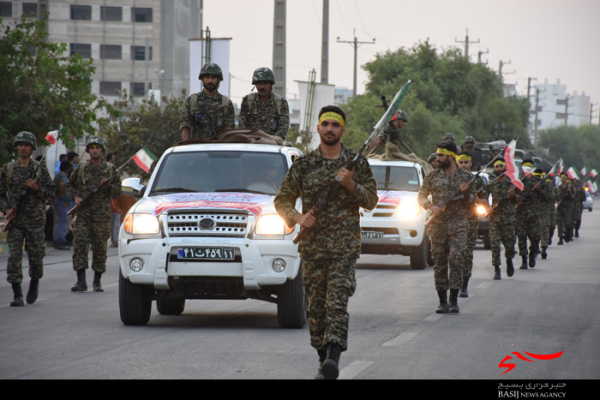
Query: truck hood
{"type": "Point", "coordinates": [394, 196]}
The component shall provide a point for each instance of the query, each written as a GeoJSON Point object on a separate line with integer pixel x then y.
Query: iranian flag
{"type": "Point", "coordinates": [593, 173]}
{"type": "Point", "coordinates": [144, 159]}
{"type": "Point", "coordinates": [572, 174]}
{"type": "Point", "coordinates": [511, 169]}
{"type": "Point", "coordinates": [53, 136]}
{"type": "Point", "coordinates": [556, 168]}
{"type": "Point", "coordinates": [583, 172]}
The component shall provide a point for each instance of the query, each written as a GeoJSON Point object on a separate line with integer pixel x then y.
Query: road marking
{"type": "Point", "coordinates": [433, 317]}
{"type": "Point", "coordinates": [484, 285]}
{"type": "Point", "coordinates": [354, 369]}
{"type": "Point", "coordinates": [400, 339]}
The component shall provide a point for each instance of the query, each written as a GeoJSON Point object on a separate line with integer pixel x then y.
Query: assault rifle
{"type": "Point", "coordinates": [333, 186]}
{"type": "Point", "coordinates": [496, 206]}
{"type": "Point", "coordinates": [489, 183]}
{"type": "Point", "coordinates": [22, 197]}
{"type": "Point", "coordinates": [211, 124]}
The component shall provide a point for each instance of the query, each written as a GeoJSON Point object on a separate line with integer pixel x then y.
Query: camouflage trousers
{"type": "Point", "coordinates": [98, 229]}
{"type": "Point", "coordinates": [329, 283]}
{"type": "Point", "coordinates": [449, 251]}
{"type": "Point", "coordinates": [35, 246]}
{"type": "Point", "coordinates": [546, 228]}
{"type": "Point", "coordinates": [502, 231]}
{"type": "Point", "coordinates": [564, 221]}
{"type": "Point", "coordinates": [528, 227]}
{"type": "Point", "coordinates": [471, 241]}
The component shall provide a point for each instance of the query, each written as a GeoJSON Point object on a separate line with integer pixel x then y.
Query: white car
{"type": "Point", "coordinates": [205, 228]}
{"type": "Point", "coordinates": [397, 224]}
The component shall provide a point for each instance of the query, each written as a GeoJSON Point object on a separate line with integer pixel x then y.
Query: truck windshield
{"type": "Point", "coordinates": [220, 171]}
{"type": "Point", "coordinates": [396, 178]}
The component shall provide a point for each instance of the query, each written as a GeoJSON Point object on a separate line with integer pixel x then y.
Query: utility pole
{"type": "Point", "coordinates": [325, 44]}
{"type": "Point", "coordinates": [592, 111]}
{"type": "Point", "coordinates": [500, 65]}
{"type": "Point", "coordinates": [536, 111]}
{"type": "Point", "coordinates": [147, 81]}
{"type": "Point", "coordinates": [529, 86]}
{"type": "Point", "coordinates": [479, 54]}
{"type": "Point", "coordinates": [356, 43]}
{"type": "Point", "coordinates": [466, 42]}
{"type": "Point", "coordinates": [279, 51]}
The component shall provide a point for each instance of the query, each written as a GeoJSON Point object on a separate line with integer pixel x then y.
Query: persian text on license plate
{"type": "Point", "coordinates": [206, 253]}
{"type": "Point", "coordinates": [372, 235]}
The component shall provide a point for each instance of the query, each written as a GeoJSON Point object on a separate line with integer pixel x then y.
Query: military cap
{"type": "Point", "coordinates": [402, 115]}
{"type": "Point", "coordinates": [263, 74]}
{"type": "Point", "coordinates": [26, 137]}
{"type": "Point", "coordinates": [449, 135]}
{"type": "Point", "coordinates": [95, 140]}
{"type": "Point", "coordinates": [211, 69]}
{"type": "Point", "coordinates": [432, 156]}
{"type": "Point", "coordinates": [469, 139]}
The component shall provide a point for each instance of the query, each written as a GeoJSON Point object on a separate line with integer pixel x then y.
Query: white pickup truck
{"type": "Point", "coordinates": [205, 228]}
{"type": "Point", "coordinates": [397, 224]}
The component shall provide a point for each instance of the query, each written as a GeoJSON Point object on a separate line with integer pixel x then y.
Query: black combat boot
{"type": "Point", "coordinates": [544, 254]}
{"type": "Point", "coordinates": [532, 259]}
{"type": "Point", "coordinates": [463, 289]}
{"type": "Point", "coordinates": [510, 268]}
{"type": "Point", "coordinates": [96, 283]}
{"type": "Point", "coordinates": [322, 358]}
{"type": "Point", "coordinates": [497, 275]}
{"type": "Point", "coordinates": [330, 367]}
{"type": "Point", "coordinates": [18, 300]}
{"type": "Point", "coordinates": [576, 233]}
{"type": "Point", "coordinates": [81, 285]}
{"type": "Point", "coordinates": [32, 294]}
{"type": "Point", "coordinates": [443, 307]}
{"type": "Point", "coordinates": [560, 242]}
{"type": "Point", "coordinates": [454, 301]}
{"type": "Point", "coordinates": [524, 263]}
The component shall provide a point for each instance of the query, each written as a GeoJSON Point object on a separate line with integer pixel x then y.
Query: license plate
{"type": "Point", "coordinates": [372, 235]}
{"type": "Point", "coordinates": [206, 253]}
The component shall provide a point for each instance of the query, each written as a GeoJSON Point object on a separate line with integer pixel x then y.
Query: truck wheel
{"type": "Point", "coordinates": [291, 303]}
{"type": "Point", "coordinates": [418, 258]}
{"type": "Point", "coordinates": [487, 244]}
{"type": "Point", "coordinates": [135, 303]}
{"type": "Point", "coordinates": [172, 306]}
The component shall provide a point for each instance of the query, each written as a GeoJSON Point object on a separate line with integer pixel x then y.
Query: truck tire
{"type": "Point", "coordinates": [172, 306]}
{"type": "Point", "coordinates": [135, 303]}
{"type": "Point", "coordinates": [487, 244]}
{"type": "Point", "coordinates": [418, 258]}
{"type": "Point", "coordinates": [291, 303]}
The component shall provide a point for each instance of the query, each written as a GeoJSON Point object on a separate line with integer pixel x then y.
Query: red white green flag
{"type": "Point", "coordinates": [511, 168]}
{"type": "Point", "coordinates": [556, 168]}
{"type": "Point", "coordinates": [144, 159]}
{"type": "Point", "coordinates": [572, 174]}
{"type": "Point", "coordinates": [583, 172]}
{"type": "Point", "coordinates": [593, 173]}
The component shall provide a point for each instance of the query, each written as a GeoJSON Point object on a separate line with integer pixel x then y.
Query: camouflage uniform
{"type": "Point", "coordinates": [449, 230]}
{"type": "Point", "coordinates": [578, 200]}
{"type": "Point", "coordinates": [473, 218]}
{"type": "Point", "coordinates": [271, 116]}
{"type": "Point", "coordinates": [389, 133]}
{"type": "Point", "coordinates": [329, 249]}
{"type": "Point", "coordinates": [94, 218]}
{"type": "Point", "coordinates": [546, 215]}
{"type": "Point", "coordinates": [564, 211]}
{"type": "Point", "coordinates": [30, 220]}
{"type": "Point", "coordinates": [529, 208]}
{"type": "Point", "coordinates": [222, 115]}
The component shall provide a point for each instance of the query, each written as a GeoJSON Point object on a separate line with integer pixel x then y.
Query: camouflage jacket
{"type": "Point", "coordinates": [86, 178]}
{"type": "Point", "coordinates": [336, 233]}
{"type": "Point", "coordinates": [563, 198]}
{"type": "Point", "coordinates": [548, 202]}
{"type": "Point", "coordinates": [529, 201]}
{"type": "Point", "coordinates": [441, 187]}
{"type": "Point", "coordinates": [32, 211]}
{"type": "Point", "coordinates": [505, 211]}
{"type": "Point", "coordinates": [391, 134]}
{"type": "Point", "coordinates": [271, 116]}
{"type": "Point", "coordinates": [222, 116]}
{"type": "Point", "coordinates": [578, 199]}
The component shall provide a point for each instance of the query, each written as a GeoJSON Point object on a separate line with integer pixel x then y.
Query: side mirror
{"type": "Point", "coordinates": [133, 187]}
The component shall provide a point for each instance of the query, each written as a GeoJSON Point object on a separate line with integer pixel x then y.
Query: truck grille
{"type": "Point", "coordinates": [207, 224]}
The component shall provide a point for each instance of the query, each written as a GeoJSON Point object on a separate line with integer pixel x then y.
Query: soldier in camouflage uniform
{"type": "Point", "coordinates": [93, 219]}
{"type": "Point", "coordinates": [578, 200]}
{"type": "Point", "coordinates": [23, 201]}
{"type": "Point", "coordinates": [330, 242]}
{"type": "Point", "coordinates": [529, 208]}
{"type": "Point", "coordinates": [450, 227]}
{"type": "Point", "coordinates": [265, 110]}
{"type": "Point", "coordinates": [465, 162]}
{"type": "Point", "coordinates": [546, 214]}
{"type": "Point", "coordinates": [502, 218]}
{"type": "Point", "coordinates": [564, 210]}
{"type": "Point", "coordinates": [391, 132]}
{"type": "Point", "coordinates": [208, 112]}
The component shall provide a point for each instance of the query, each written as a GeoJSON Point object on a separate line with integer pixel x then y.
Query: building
{"type": "Point", "coordinates": [342, 95]}
{"type": "Point", "coordinates": [557, 107]}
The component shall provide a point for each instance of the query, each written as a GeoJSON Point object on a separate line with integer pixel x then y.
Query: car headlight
{"type": "Point", "coordinates": [408, 210]}
{"type": "Point", "coordinates": [481, 210]}
{"type": "Point", "coordinates": [272, 224]}
{"type": "Point", "coordinates": [141, 224]}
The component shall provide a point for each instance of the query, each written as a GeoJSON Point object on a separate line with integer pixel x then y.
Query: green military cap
{"type": "Point", "coordinates": [263, 74]}
{"type": "Point", "coordinates": [211, 69]}
{"type": "Point", "coordinates": [469, 139]}
{"type": "Point", "coordinates": [402, 115]}
{"type": "Point", "coordinates": [449, 135]}
{"type": "Point", "coordinates": [26, 137]}
{"type": "Point", "coordinates": [95, 140]}
{"type": "Point", "coordinates": [432, 156]}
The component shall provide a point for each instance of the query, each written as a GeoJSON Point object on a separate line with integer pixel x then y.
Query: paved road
{"type": "Point", "coordinates": [394, 331]}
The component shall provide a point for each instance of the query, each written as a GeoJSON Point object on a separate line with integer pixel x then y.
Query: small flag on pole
{"type": "Point", "coordinates": [556, 168]}
{"type": "Point", "coordinates": [583, 172]}
{"type": "Point", "coordinates": [572, 174]}
{"type": "Point", "coordinates": [144, 159]}
{"type": "Point", "coordinates": [593, 173]}
{"type": "Point", "coordinates": [511, 169]}
{"type": "Point", "coordinates": [53, 136]}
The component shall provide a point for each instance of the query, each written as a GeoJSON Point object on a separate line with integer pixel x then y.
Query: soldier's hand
{"type": "Point", "coordinates": [31, 184]}
{"type": "Point", "coordinates": [377, 141]}
{"type": "Point", "coordinates": [11, 213]}
{"type": "Point", "coordinates": [537, 186]}
{"type": "Point", "coordinates": [464, 187]}
{"type": "Point", "coordinates": [305, 220]}
{"type": "Point", "coordinates": [105, 183]}
{"type": "Point", "coordinates": [78, 200]}
{"type": "Point", "coordinates": [435, 210]}
{"type": "Point", "coordinates": [346, 179]}
{"type": "Point", "coordinates": [512, 193]}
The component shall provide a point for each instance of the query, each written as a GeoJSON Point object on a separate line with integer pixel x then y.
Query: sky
{"type": "Point", "coordinates": [542, 39]}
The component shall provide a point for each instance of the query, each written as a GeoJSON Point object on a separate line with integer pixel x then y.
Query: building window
{"type": "Point", "coordinates": [30, 10]}
{"type": "Point", "coordinates": [141, 14]}
{"type": "Point", "coordinates": [137, 89]}
{"type": "Point", "coordinates": [81, 48]}
{"type": "Point", "coordinates": [111, 13]}
{"type": "Point", "coordinates": [138, 53]}
{"type": "Point", "coordinates": [81, 12]}
{"type": "Point", "coordinates": [110, 51]}
{"type": "Point", "coordinates": [110, 88]}
{"type": "Point", "coordinates": [6, 9]}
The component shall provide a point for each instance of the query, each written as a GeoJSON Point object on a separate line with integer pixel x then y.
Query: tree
{"type": "Point", "coordinates": [41, 87]}
{"type": "Point", "coordinates": [580, 146]}
{"type": "Point", "coordinates": [127, 128]}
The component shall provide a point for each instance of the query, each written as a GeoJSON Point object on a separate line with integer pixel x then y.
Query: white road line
{"type": "Point", "coordinates": [484, 285]}
{"type": "Point", "coordinates": [354, 369]}
{"type": "Point", "coordinates": [433, 317]}
{"type": "Point", "coordinates": [400, 339]}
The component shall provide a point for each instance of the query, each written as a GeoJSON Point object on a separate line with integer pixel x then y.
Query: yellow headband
{"type": "Point", "coordinates": [499, 162]}
{"type": "Point", "coordinates": [446, 152]}
{"type": "Point", "coordinates": [332, 115]}
{"type": "Point", "coordinates": [538, 174]}
{"type": "Point", "coordinates": [527, 164]}
{"type": "Point", "coordinates": [463, 157]}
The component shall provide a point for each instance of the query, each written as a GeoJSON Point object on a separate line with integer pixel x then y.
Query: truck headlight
{"type": "Point", "coordinates": [408, 210]}
{"type": "Point", "coordinates": [141, 224]}
{"type": "Point", "coordinates": [481, 210]}
{"type": "Point", "coordinates": [272, 224]}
